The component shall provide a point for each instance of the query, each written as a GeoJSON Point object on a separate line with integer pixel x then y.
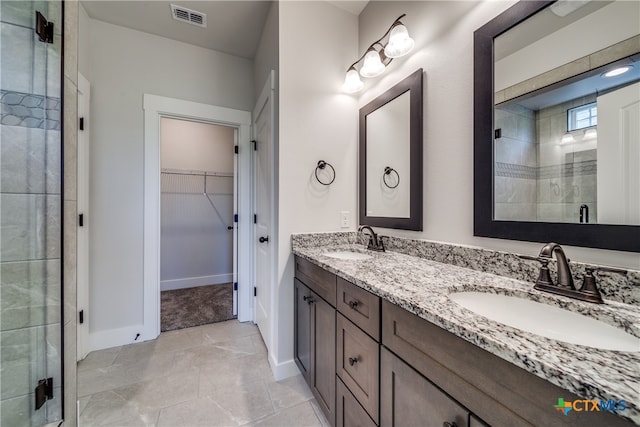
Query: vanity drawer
{"type": "Point", "coordinates": [358, 361]}
{"type": "Point", "coordinates": [359, 306]}
{"type": "Point", "coordinates": [349, 413]}
{"type": "Point", "coordinates": [317, 279]}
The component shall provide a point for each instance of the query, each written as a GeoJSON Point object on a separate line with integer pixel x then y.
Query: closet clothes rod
{"type": "Point", "coordinates": [196, 173]}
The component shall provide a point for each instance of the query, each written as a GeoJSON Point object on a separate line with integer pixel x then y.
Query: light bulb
{"type": "Point", "coordinates": [373, 65]}
{"type": "Point", "coordinates": [399, 42]}
{"type": "Point", "coordinates": [352, 82]}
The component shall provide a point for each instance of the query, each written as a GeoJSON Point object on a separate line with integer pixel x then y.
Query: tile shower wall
{"type": "Point", "coordinates": [516, 160]}
{"type": "Point", "coordinates": [30, 213]}
{"type": "Point", "coordinates": [567, 171]}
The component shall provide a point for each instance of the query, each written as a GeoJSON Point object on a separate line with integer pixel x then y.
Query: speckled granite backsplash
{"type": "Point", "coordinates": [621, 287]}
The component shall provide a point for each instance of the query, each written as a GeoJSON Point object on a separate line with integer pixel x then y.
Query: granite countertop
{"type": "Point", "coordinates": [422, 287]}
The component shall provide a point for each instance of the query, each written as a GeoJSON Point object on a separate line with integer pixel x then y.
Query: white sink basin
{"type": "Point", "coordinates": [547, 321]}
{"type": "Point", "coordinates": [351, 255]}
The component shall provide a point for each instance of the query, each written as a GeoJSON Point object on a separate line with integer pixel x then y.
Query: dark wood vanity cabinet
{"type": "Point", "coordinates": [349, 412]}
{"type": "Point", "coordinates": [314, 333]}
{"type": "Point", "coordinates": [494, 391]}
{"type": "Point", "coordinates": [409, 399]}
{"type": "Point", "coordinates": [370, 362]}
{"type": "Point", "coordinates": [358, 357]}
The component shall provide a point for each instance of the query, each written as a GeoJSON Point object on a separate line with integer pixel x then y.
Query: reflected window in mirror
{"type": "Point", "coordinates": [391, 157]}
{"type": "Point", "coordinates": [557, 141]}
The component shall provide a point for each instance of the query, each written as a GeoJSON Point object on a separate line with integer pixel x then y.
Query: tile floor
{"type": "Point", "coordinates": [211, 375]}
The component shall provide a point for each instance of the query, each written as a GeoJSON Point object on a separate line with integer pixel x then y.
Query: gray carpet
{"type": "Point", "coordinates": [184, 308]}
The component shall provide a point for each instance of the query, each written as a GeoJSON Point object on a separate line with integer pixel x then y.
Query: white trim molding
{"type": "Point", "coordinates": [156, 107]}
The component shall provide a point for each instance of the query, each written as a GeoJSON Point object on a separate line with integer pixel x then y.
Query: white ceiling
{"type": "Point", "coordinates": [351, 6]}
{"type": "Point", "coordinates": [233, 27]}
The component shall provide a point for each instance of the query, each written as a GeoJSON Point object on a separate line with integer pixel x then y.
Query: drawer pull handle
{"type": "Point", "coordinates": [353, 360]}
{"type": "Point", "coordinates": [309, 299]}
{"type": "Point", "coordinates": [353, 304]}
{"type": "Point", "coordinates": [448, 424]}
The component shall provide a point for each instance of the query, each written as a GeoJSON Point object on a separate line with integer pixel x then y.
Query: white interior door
{"type": "Point", "coordinates": [619, 156]}
{"type": "Point", "coordinates": [263, 191]}
{"type": "Point", "coordinates": [84, 96]}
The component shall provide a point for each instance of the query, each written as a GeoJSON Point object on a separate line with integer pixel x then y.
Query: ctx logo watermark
{"type": "Point", "coordinates": [584, 405]}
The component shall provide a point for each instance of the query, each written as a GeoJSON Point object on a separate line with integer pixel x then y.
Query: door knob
{"type": "Point", "coordinates": [263, 239]}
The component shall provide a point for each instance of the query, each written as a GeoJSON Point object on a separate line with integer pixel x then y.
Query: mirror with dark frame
{"type": "Point", "coordinates": [548, 165]}
{"type": "Point", "coordinates": [391, 157]}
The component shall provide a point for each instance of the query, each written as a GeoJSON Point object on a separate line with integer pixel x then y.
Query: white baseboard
{"type": "Point", "coordinates": [284, 369]}
{"type": "Point", "coordinates": [116, 337]}
{"type": "Point", "coordinates": [192, 282]}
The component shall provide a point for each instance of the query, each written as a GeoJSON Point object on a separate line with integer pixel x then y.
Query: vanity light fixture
{"type": "Point", "coordinates": [590, 134]}
{"type": "Point", "coordinates": [379, 55]}
{"type": "Point", "coordinates": [617, 71]}
{"type": "Point", "coordinates": [567, 138]}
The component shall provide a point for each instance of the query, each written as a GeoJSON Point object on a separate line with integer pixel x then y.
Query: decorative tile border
{"type": "Point", "coordinates": [587, 167]}
{"type": "Point", "coordinates": [510, 170]}
{"type": "Point", "coordinates": [31, 111]}
{"type": "Point", "coordinates": [621, 287]}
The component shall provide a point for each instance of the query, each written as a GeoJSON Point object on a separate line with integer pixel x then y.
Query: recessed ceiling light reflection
{"type": "Point", "coordinates": [617, 71]}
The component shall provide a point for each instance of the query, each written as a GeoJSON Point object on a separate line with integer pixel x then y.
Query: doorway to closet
{"type": "Point", "coordinates": [197, 234]}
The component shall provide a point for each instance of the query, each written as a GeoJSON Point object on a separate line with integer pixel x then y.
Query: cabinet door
{"type": "Point", "coordinates": [349, 413]}
{"type": "Point", "coordinates": [302, 328]}
{"type": "Point", "coordinates": [358, 364]}
{"type": "Point", "coordinates": [409, 399]}
{"type": "Point", "coordinates": [323, 356]}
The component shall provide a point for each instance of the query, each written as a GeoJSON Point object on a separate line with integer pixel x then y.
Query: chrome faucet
{"type": "Point", "coordinates": [375, 243]}
{"type": "Point", "coordinates": [588, 292]}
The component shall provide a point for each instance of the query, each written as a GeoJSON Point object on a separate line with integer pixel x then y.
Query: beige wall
{"type": "Point", "coordinates": [123, 65]}
{"type": "Point", "coordinates": [317, 122]}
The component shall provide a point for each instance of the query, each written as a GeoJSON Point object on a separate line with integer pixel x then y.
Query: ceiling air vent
{"type": "Point", "coordinates": [183, 14]}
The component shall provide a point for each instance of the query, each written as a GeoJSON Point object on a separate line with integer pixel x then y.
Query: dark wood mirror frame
{"type": "Point", "coordinates": [413, 84]}
{"type": "Point", "coordinates": [602, 236]}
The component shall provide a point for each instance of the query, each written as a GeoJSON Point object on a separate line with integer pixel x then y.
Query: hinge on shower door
{"type": "Point", "coordinates": [44, 392]}
{"type": "Point", "coordinates": [44, 29]}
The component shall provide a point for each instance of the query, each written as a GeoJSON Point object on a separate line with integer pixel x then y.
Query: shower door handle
{"type": "Point", "coordinates": [263, 239]}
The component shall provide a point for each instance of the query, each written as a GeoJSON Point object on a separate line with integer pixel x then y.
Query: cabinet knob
{"type": "Point", "coordinates": [353, 360]}
{"type": "Point", "coordinates": [353, 304]}
{"type": "Point", "coordinates": [309, 299]}
{"type": "Point", "coordinates": [448, 424]}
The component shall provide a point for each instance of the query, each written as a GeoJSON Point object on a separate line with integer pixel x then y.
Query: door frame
{"type": "Point", "coordinates": [154, 108]}
{"type": "Point", "coordinates": [267, 95]}
{"type": "Point", "coordinates": [84, 137]}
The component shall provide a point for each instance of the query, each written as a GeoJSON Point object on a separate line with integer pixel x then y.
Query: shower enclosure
{"type": "Point", "coordinates": [30, 213]}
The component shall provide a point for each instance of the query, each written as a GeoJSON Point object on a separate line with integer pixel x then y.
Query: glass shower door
{"type": "Point", "coordinates": [30, 215]}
